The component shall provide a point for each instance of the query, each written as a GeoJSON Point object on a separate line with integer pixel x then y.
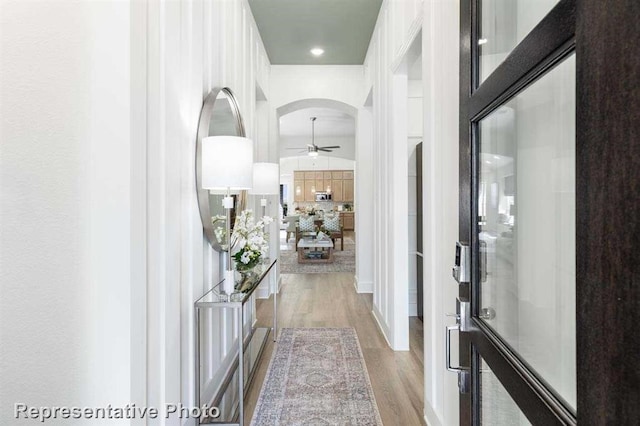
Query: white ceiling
{"type": "Point", "coordinates": [332, 127]}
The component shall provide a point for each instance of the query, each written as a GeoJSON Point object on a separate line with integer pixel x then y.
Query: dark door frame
{"type": "Point", "coordinates": [605, 37]}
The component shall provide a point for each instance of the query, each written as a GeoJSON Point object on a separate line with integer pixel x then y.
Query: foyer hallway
{"type": "Point", "coordinates": [330, 300]}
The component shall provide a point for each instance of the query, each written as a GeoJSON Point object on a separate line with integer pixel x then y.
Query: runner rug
{"type": "Point", "coordinates": [317, 376]}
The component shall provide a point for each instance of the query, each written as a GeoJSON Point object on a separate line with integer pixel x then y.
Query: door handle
{"type": "Point", "coordinates": [463, 323]}
{"type": "Point", "coordinates": [447, 347]}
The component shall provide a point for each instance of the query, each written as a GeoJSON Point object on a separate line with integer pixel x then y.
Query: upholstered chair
{"type": "Point", "coordinates": [331, 223]}
{"type": "Point", "coordinates": [306, 224]}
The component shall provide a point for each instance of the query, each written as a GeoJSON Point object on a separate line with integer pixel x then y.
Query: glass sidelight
{"type": "Point", "coordinates": [526, 227]}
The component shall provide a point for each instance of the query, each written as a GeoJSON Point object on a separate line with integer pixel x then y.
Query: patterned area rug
{"type": "Point", "coordinates": [317, 376]}
{"type": "Point", "coordinates": [344, 261]}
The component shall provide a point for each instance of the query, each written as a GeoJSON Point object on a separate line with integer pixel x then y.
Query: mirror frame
{"type": "Point", "coordinates": [203, 131]}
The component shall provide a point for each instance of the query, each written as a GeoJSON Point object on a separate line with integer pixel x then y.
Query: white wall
{"type": "Point", "coordinates": [440, 65]}
{"type": "Point", "coordinates": [65, 191]}
{"type": "Point", "coordinates": [103, 253]}
{"type": "Point", "coordinates": [398, 24]}
{"type": "Point", "coordinates": [414, 130]}
{"type": "Point", "coordinates": [192, 48]}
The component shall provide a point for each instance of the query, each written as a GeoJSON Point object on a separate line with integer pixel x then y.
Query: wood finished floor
{"type": "Point", "coordinates": [330, 300]}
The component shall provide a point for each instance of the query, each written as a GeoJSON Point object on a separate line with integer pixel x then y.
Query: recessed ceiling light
{"type": "Point", "coordinates": [482, 41]}
{"type": "Point", "coordinates": [316, 51]}
{"type": "Point", "coordinates": [496, 157]}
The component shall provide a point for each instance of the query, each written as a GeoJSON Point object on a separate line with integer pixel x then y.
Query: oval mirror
{"type": "Point", "coordinates": [220, 116]}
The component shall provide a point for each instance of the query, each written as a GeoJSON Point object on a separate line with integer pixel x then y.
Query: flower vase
{"type": "Point", "coordinates": [246, 274]}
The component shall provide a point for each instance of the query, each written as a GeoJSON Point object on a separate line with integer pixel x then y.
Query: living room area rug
{"type": "Point", "coordinates": [317, 376]}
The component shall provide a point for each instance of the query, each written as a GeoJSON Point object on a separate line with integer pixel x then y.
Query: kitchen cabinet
{"type": "Point", "coordinates": [309, 193]}
{"type": "Point", "coordinates": [348, 221]}
{"type": "Point", "coordinates": [336, 190]}
{"type": "Point", "coordinates": [298, 188]}
{"type": "Point", "coordinates": [347, 190]}
{"type": "Point", "coordinates": [327, 187]}
{"type": "Point", "coordinates": [340, 183]}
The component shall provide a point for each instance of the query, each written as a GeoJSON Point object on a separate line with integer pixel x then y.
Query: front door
{"type": "Point", "coordinates": [550, 211]}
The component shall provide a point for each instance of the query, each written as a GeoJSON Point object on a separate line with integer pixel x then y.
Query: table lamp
{"type": "Point", "coordinates": [266, 181]}
{"type": "Point", "coordinates": [227, 164]}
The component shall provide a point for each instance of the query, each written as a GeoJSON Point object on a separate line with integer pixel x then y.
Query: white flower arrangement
{"type": "Point", "coordinates": [250, 239]}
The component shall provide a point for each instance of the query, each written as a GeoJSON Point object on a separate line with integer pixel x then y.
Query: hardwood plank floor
{"type": "Point", "coordinates": [330, 300]}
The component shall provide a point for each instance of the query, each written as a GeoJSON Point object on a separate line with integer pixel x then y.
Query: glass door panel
{"type": "Point", "coordinates": [526, 226]}
{"type": "Point", "coordinates": [504, 24]}
{"type": "Point", "coordinates": [497, 408]}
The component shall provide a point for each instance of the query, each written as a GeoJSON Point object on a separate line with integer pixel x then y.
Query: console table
{"type": "Point", "coordinates": [252, 344]}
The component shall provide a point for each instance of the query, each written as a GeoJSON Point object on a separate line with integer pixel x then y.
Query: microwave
{"type": "Point", "coordinates": [323, 196]}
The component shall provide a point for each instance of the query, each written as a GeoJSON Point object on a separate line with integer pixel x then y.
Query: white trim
{"type": "Point", "coordinates": [430, 417]}
{"type": "Point", "coordinates": [263, 290]}
{"type": "Point", "coordinates": [363, 287]}
{"type": "Point", "coordinates": [413, 309]}
{"type": "Point", "coordinates": [412, 33]}
{"type": "Point", "coordinates": [376, 314]}
{"type": "Point", "coordinates": [138, 217]}
{"type": "Point", "coordinates": [413, 302]}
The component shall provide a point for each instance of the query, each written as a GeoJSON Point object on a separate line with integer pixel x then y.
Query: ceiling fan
{"type": "Point", "coordinates": [312, 149]}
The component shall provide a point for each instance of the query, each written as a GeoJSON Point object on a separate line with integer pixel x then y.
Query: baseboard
{"type": "Point", "coordinates": [363, 287]}
{"type": "Point", "coordinates": [430, 417]}
{"type": "Point", "coordinates": [413, 309]}
{"type": "Point", "coordinates": [262, 291]}
{"type": "Point", "coordinates": [385, 332]}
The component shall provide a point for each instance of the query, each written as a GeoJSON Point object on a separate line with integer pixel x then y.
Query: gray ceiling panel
{"type": "Point", "coordinates": [291, 28]}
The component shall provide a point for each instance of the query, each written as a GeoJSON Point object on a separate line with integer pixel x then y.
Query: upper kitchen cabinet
{"type": "Point", "coordinates": [310, 190]}
{"type": "Point", "coordinates": [347, 190]}
{"type": "Point", "coordinates": [340, 183]}
{"type": "Point", "coordinates": [336, 190]}
{"type": "Point", "coordinates": [298, 185]}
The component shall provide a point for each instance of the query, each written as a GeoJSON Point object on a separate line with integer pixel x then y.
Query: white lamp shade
{"type": "Point", "coordinates": [227, 162]}
{"type": "Point", "coordinates": [266, 179]}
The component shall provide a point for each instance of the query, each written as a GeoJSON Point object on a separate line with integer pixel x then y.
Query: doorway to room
{"type": "Point", "coordinates": [318, 170]}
